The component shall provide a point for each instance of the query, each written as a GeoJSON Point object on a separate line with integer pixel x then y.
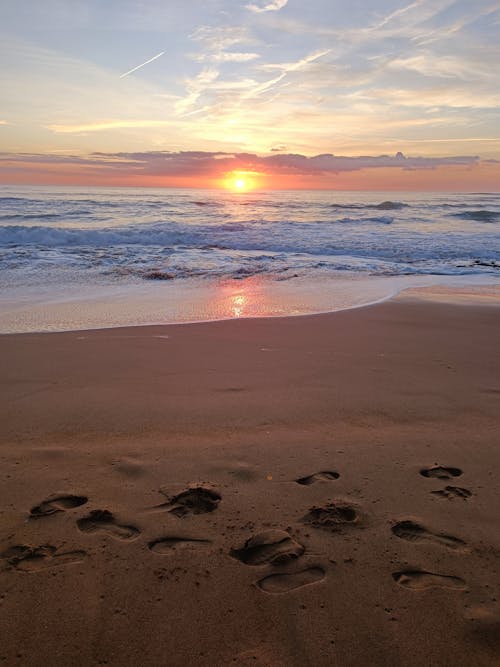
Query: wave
{"type": "Point", "coordinates": [483, 215]}
{"type": "Point", "coordinates": [161, 234]}
{"type": "Point", "coordinates": [383, 220]}
{"type": "Point", "coordinates": [60, 236]}
{"type": "Point", "coordinates": [390, 206]}
{"type": "Point", "coordinates": [30, 216]}
{"type": "Point", "coordinates": [383, 206]}
{"type": "Point", "coordinates": [8, 200]}
{"type": "Point", "coordinates": [55, 217]}
{"type": "Point", "coordinates": [61, 203]}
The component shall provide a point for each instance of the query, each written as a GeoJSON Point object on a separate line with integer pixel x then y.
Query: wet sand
{"type": "Point", "coordinates": [318, 490]}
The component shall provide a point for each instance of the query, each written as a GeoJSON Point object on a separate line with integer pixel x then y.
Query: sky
{"type": "Point", "coordinates": [342, 94]}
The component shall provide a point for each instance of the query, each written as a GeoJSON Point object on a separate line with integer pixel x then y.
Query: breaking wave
{"type": "Point", "coordinates": [483, 215]}
{"type": "Point", "coordinates": [125, 234]}
{"type": "Point", "coordinates": [383, 206]}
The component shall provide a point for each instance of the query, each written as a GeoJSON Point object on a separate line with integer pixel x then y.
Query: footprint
{"type": "Point", "coordinates": [451, 492]}
{"type": "Point", "coordinates": [55, 504]}
{"type": "Point", "coordinates": [333, 516]}
{"type": "Point", "coordinates": [419, 580]}
{"type": "Point", "coordinates": [104, 520]}
{"type": "Point", "coordinates": [34, 559]}
{"type": "Point", "coordinates": [169, 545]}
{"type": "Point", "coordinates": [270, 546]}
{"type": "Point", "coordinates": [197, 500]}
{"type": "Point", "coordinates": [323, 476]}
{"type": "Point", "coordinates": [413, 532]}
{"type": "Point", "coordinates": [283, 583]}
{"type": "Point", "coordinates": [440, 472]}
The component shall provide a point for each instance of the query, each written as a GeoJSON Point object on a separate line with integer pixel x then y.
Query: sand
{"type": "Point", "coordinates": [307, 491]}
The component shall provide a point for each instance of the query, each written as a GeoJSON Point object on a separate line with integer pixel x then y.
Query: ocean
{"type": "Point", "coordinates": [77, 257]}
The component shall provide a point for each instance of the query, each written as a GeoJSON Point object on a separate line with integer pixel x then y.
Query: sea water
{"type": "Point", "coordinates": [83, 257]}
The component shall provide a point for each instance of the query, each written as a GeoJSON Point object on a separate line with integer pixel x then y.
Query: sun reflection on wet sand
{"type": "Point", "coordinates": [239, 301]}
{"type": "Point", "coordinates": [243, 298]}
{"type": "Point", "coordinates": [68, 309]}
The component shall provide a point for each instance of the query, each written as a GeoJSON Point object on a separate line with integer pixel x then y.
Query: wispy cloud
{"type": "Point", "coordinates": [284, 69]}
{"type": "Point", "coordinates": [450, 67]}
{"type": "Point", "coordinates": [195, 88]}
{"type": "Point", "coordinates": [227, 57]}
{"type": "Point", "coordinates": [134, 69]}
{"type": "Point", "coordinates": [218, 38]}
{"type": "Point", "coordinates": [451, 97]}
{"type": "Point", "coordinates": [273, 6]}
{"type": "Point", "coordinates": [397, 13]}
{"type": "Point", "coordinates": [441, 33]}
{"type": "Point", "coordinates": [79, 128]}
{"type": "Point", "coordinates": [298, 64]}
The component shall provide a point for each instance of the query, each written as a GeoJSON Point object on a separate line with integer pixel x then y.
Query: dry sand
{"type": "Point", "coordinates": [310, 536]}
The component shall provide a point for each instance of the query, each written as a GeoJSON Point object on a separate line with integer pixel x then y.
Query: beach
{"type": "Point", "coordinates": [249, 334]}
{"type": "Point", "coordinates": [314, 490]}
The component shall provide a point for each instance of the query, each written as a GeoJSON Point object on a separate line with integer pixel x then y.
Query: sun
{"type": "Point", "coordinates": [241, 181]}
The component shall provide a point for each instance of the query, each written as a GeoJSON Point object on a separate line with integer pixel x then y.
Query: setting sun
{"type": "Point", "coordinates": [241, 181]}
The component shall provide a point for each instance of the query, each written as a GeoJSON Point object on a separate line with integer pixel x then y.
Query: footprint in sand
{"type": "Point", "coordinates": [283, 583]}
{"type": "Point", "coordinates": [441, 472]}
{"type": "Point", "coordinates": [57, 503]}
{"type": "Point", "coordinates": [166, 546]}
{"type": "Point", "coordinates": [419, 580]}
{"type": "Point", "coordinates": [271, 546]}
{"type": "Point", "coordinates": [103, 520]}
{"type": "Point", "coordinates": [414, 532]}
{"type": "Point", "coordinates": [334, 516]}
{"type": "Point", "coordinates": [197, 500]}
{"type": "Point", "coordinates": [34, 559]}
{"type": "Point", "coordinates": [451, 492]}
{"type": "Point", "coordinates": [323, 476]}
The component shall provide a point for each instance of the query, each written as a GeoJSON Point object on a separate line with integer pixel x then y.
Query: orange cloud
{"type": "Point", "coordinates": [275, 171]}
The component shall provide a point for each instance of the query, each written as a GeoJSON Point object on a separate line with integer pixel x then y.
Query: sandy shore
{"type": "Point", "coordinates": [344, 473]}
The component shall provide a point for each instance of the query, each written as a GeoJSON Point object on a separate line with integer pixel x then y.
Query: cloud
{"type": "Point", "coordinates": [451, 97]}
{"type": "Point", "coordinates": [284, 69]}
{"type": "Point", "coordinates": [273, 6]}
{"type": "Point", "coordinates": [226, 57]}
{"type": "Point", "coordinates": [399, 12]}
{"type": "Point", "coordinates": [450, 67]}
{"type": "Point", "coordinates": [106, 125]}
{"type": "Point", "coordinates": [298, 64]}
{"type": "Point", "coordinates": [221, 37]}
{"type": "Point", "coordinates": [195, 88]}
{"type": "Point", "coordinates": [216, 40]}
{"type": "Point", "coordinates": [218, 163]}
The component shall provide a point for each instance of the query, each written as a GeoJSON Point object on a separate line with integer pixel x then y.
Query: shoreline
{"type": "Point", "coordinates": [467, 290]}
{"type": "Point", "coordinates": [277, 420]}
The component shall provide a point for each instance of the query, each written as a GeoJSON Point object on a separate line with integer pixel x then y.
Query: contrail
{"type": "Point", "coordinates": [158, 55]}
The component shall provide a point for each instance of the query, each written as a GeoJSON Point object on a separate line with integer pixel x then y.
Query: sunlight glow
{"type": "Point", "coordinates": [241, 181]}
